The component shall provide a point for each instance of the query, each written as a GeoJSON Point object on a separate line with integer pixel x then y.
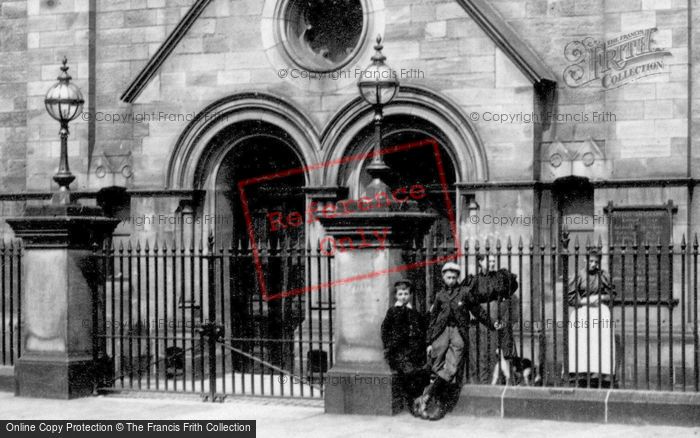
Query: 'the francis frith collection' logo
{"type": "Point", "coordinates": [615, 62]}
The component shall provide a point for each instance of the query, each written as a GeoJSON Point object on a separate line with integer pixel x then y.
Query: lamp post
{"type": "Point", "coordinates": [366, 275]}
{"type": "Point", "coordinates": [64, 102]}
{"type": "Point", "coordinates": [378, 86]}
{"type": "Point", "coordinates": [63, 355]}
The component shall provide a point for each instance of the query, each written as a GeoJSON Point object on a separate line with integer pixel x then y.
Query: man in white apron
{"type": "Point", "coordinates": [591, 343]}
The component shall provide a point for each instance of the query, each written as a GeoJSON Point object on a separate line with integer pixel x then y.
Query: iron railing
{"type": "Point", "coordinates": [198, 320]}
{"type": "Point", "coordinates": [158, 297]}
{"type": "Point", "coordinates": [646, 337]}
{"type": "Point", "coordinates": [11, 305]}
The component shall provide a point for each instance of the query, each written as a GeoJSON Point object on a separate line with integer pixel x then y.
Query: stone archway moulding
{"type": "Point", "coordinates": [464, 146]}
{"type": "Point", "coordinates": [192, 144]}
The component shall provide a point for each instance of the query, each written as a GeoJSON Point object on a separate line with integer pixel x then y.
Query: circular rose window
{"type": "Point", "coordinates": [323, 35]}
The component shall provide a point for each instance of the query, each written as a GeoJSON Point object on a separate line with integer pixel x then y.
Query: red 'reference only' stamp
{"type": "Point", "coordinates": [280, 221]}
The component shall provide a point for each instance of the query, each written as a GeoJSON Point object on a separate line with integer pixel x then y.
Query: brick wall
{"type": "Point", "coordinates": [13, 99]}
{"type": "Point", "coordinates": [13, 103]}
{"type": "Point", "coordinates": [649, 138]}
{"type": "Point", "coordinates": [55, 28]}
{"type": "Point", "coordinates": [225, 52]}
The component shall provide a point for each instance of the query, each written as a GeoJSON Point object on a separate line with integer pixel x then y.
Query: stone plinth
{"type": "Point", "coordinates": [61, 279]}
{"type": "Point", "coordinates": [360, 381]}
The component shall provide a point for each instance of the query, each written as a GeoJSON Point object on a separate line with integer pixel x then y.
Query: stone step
{"type": "Point", "coordinates": [580, 405]}
{"type": "Point", "coordinates": [7, 378]}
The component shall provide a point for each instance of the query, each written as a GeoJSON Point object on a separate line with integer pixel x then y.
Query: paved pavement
{"type": "Point", "coordinates": [299, 418]}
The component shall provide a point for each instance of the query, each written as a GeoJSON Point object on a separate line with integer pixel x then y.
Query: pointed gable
{"type": "Point", "coordinates": [486, 17]}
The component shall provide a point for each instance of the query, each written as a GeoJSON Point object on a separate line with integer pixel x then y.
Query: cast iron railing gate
{"type": "Point", "coordinates": [197, 319]}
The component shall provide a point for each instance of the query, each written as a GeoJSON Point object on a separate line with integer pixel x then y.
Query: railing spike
{"type": "Point", "coordinates": [128, 246]}
{"type": "Point", "coordinates": [121, 246]}
{"type": "Point", "coordinates": [683, 240]}
{"type": "Point", "coordinates": [509, 244]}
{"type": "Point", "coordinates": [211, 241]}
{"type": "Point", "coordinates": [695, 241]}
{"type": "Point", "coordinates": [520, 242]}
{"type": "Point", "coordinates": [565, 239]}
{"type": "Point", "coordinates": [138, 246]}
{"type": "Point", "coordinates": [155, 246]}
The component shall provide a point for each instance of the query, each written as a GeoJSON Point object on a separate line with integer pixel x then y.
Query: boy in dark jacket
{"type": "Point", "coordinates": [403, 335]}
{"type": "Point", "coordinates": [448, 330]}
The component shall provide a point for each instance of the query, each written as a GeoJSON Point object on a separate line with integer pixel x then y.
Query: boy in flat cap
{"type": "Point", "coordinates": [448, 330]}
{"type": "Point", "coordinates": [403, 335]}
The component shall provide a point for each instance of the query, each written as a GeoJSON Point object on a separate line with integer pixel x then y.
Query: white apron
{"type": "Point", "coordinates": [594, 329]}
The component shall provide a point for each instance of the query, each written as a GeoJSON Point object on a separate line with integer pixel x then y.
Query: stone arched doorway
{"type": "Point", "coordinates": [414, 163]}
{"type": "Point", "coordinates": [415, 113]}
{"type": "Point", "coordinates": [259, 155]}
{"type": "Point", "coordinates": [243, 138]}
